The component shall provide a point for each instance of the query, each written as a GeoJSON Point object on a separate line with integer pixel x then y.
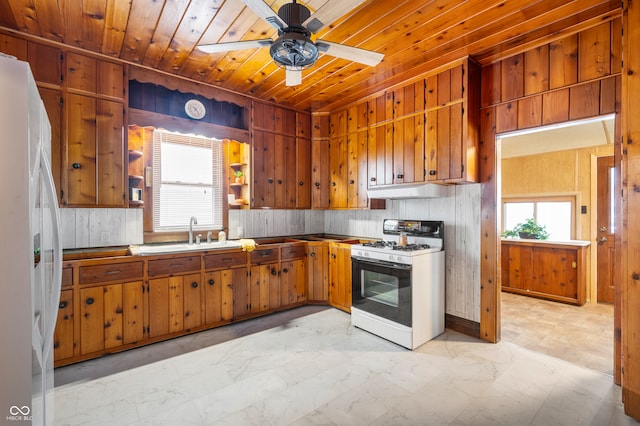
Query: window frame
{"type": "Point", "coordinates": [572, 198]}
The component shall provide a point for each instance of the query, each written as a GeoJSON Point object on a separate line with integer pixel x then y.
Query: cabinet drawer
{"type": "Point", "coordinates": [173, 266]}
{"type": "Point", "coordinates": [264, 256]}
{"type": "Point", "coordinates": [293, 252]}
{"type": "Point", "coordinates": [110, 272]}
{"type": "Point", "coordinates": [67, 277]}
{"type": "Point", "coordinates": [225, 260]}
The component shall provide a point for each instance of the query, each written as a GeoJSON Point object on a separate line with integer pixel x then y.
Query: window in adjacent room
{"type": "Point", "coordinates": [187, 181]}
{"type": "Point", "coordinates": [556, 213]}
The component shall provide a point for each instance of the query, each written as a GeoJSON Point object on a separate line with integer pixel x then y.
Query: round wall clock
{"type": "Point", "coordinates": [195, 109]}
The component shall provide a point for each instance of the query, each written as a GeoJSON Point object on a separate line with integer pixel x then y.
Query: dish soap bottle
{"type": "Point", "coordinates": [222, 236]}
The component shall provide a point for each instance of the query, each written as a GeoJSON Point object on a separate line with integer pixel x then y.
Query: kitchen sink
{"type": "Point", "coordinates": [147, 249]}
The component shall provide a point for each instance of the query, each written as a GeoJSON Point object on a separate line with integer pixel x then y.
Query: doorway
{"type": "Point", "coordinates": [561, 162]}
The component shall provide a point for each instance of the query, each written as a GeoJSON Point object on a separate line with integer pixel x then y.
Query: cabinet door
{"type": "Point", "coordinates": [239, 286]}
{"type": "Point", "coordinates": [192, 301]}
{"type": "Point", "coordinates": [303, 172]}
{"type": "Point", "coordinates": [101, 318]}
{"type": "Point", "coordinates": [110, 79]}
{"type": "Point", "coordinates": [357, 170]}
{"type": "Point", "coordinates": [444, 143]}
{"type": "Point", "coordinates": [338, 169]}
{"type": "Point", "coordinates": [320, 175]}
{"type": "Point", "coordinates": [52, 100]}
{"type": "Point", "coordinates": [110, 153]}
{"type": "Point", "coordinates": [340, 276]}
{"type": "Point", "coordinates": [379, 158]}
{"type": "Point", "coordinates": [263, 187]}
{"type": "Point", "coordinates": [264, 288]}
{"type": "Point", "coordinates": [158, 307]}
{"type": "Point", "coordinates": [293, 278]}
{"type": "Point", "coordinates": [318, 272]}
{"type": "Point", "coordinates": [81, 150]}
{"type": "Point", "coordinates": [212, 297]}
{"type": "Point", "coordinates": [63, 341]}
{"type": "Point", "coordinates": [45, 62]}
{"type": "Point", "coordinates": [81, 72]}
{"type": "Point", "coordinates": [284, 121]}
{"type": "Point", "coordinates": [133, 312]}
{"type": "Point", "coordinates": [408, 149]}
{"type": "Point", "coordinates": [285, 172]}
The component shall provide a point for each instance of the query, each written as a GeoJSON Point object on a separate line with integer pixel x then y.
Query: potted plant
{"type": "Point", "coordinates": [239, 175]}
{"type": "Point", "coordinates": [529, 229]}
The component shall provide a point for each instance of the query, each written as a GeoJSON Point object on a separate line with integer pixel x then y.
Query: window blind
{"type": "Point", "coordinates": [187, 181]}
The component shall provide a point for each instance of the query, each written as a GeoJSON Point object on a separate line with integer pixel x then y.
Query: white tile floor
{"type": "Point", "coordinates": [318, 369]}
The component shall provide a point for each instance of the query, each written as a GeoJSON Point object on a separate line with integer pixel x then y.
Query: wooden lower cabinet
{"type": "Point", "coordinates": [293, 281]}
{"type": "Point", "coordinates": [545, 270]}
{"type": "Point", "coordinates": [63, 338]}
{"type": "Point", "coordinates": [239, 287]}
{"type": "Point", "coordinates": [340, 276]}
{"type": "Point", "coordinates": [318, 272]}
{"type": "Point", "coordinates": [264, 288]}
{"type": "Point", "coordinates": [218, 296]}
{"type": "Point", "coordinates": [174, 304]}
{"type": "Point", "coordinates": [101, 322]}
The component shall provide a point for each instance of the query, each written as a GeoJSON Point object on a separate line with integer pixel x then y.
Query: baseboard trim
{"type": "Point", "coordinates": [462, 325]}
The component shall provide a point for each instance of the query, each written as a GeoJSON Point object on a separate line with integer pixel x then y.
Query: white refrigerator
{"type": "Point", "coordinates": [30, 250]}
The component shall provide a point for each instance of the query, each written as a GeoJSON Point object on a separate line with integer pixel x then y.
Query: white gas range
{"type": "Point", "coordinates": [398, 284]}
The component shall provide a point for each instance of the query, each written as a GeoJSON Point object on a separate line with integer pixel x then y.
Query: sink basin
{"type": "Point", "coordinates": [147, 249]}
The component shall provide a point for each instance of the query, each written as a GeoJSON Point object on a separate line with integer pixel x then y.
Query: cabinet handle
{"type": "Point", "coordinates": [112, 272]}
{"type": "Point", "coordinates": [285, 270]}
{"type": "Point", "coordinates": [333, 256]}
{"type": "Point", "coordinates": [211, 282]}
{"type": "Point", "coordinates": [194, 284]}
{"type": "Point", "coordinates": [317, 184]}
{"type": "Point", "coordinates": [89, 301]}
{"type": "Point", "coordinates": [301, 183]}
{"type": "Point", "coordinates": [351, 182]}
{"type": "Point", "coordinates": [333, 184]}
{"type": "Point", "coordinates": [62, 304]}
{"type": "Point", "coordinates": [71, 69]}
{"type": "Point", "coordinates": [265, 253]}
{"type": "Point", "coordinates": [76, 165]}
{"type": "Point", "coordinates": [270, 180]}
{"type": "Point", "coordinates": [274, 272]}
{"type": "Point", "coordinates": [432, 172]}
{"type": "Point", "coordinates": [279, 181]}
{"type": "Point", "coordinates": [372, 179]}
{"type": "Point", "coordinates": [400, 176]}
{"type": "Point", "coordinates": [312, 254]}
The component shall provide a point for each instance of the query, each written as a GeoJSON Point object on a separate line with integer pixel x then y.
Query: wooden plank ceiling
{"type": "Point", "coordinates": [415, 35]}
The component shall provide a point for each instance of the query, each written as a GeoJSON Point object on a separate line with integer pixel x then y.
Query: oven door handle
{"type": "Point", "coordinates": [377, 262]}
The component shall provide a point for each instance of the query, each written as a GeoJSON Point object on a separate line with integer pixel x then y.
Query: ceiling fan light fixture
{"type": "Point", "coordinates": [293, 49]}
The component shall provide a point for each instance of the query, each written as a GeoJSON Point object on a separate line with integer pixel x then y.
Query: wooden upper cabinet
{"type": "Point", "coordinates": [275, 183]}
{"type": "Point", "coordinates": [45, 63]}
{"type": "Point", "coordinates": [274, 119]}
{"type": "Point", "coordinates": [303, 125]}
{"type": "Point", "coordinates": [451, 147]}
{"type": "Point", "coordinates": [94, 76]}
{"type": "Point", "coordinates": [303, 164]}
{"type": "Point", "coordinates": [338, 124]}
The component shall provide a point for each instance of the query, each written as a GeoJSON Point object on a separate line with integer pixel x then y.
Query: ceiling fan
{"type": "Point", "coordinates": [293, 49]}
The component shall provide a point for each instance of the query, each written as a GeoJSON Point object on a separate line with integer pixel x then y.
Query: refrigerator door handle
{"type": "Point", "coordinates": [50, 193]}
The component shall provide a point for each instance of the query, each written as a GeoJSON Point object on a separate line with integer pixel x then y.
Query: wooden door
{"type": "Point", "coordinates": [320, 174]}
{"type": "Point", "coordinates": [303, 173]}
{"type": "Point", "coordinates": [133, 312]}
{"type": "Point", "coordinates": [293, 282]}
{"type": "Point", "coordinates": [81, 150]}
{"type": "Point", "coordinates": [101, 318]}
{"type": "Point", "coordinates": [212, 297]}
{"type": "Point", "coordinates": [605, 235]}
{"type": "Point", "coordinates": [158, 307]}
{"type": "Point", "coordinates": [318, 272]}
{"type": "Point", "coordinates": [263, 288]}
{"type": "Point", "coordinates": [284, 173]}
{"type": "Point", "coordinates": [63, 341]}
{"type": "Point", "coordinates": [340, 276]}
{"type": "Point", "coordinates": [263, 188]}
{"type": "Point", "coordinates": [192, 301]}
{"type": "Point", "coordinates": [239, 286]}
{"type": "Point", "coordinates": [338, 169]}
{"type": "Point", "coordinates": [110, 153]}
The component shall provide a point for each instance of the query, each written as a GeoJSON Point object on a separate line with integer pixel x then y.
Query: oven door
{"type": "Point", "coordinates": [382, 289]}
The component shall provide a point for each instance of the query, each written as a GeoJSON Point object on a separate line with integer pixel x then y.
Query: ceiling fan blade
{"type": "Point", "coordinates": [355, 54]}
{"type": "Point", "coordinates": [329, 12]}
{"type": "Point", "coordinates": [263, 10]}
{"type": "Point", "coordinates": [293, 76]}
{"type": "Point", "coordinates": [235, 45]}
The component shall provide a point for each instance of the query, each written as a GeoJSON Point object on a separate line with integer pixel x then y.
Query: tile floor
{"type": "Point", "coordinates": [582, 335]}
{"type": "Point", "coordinates": [310, 366]}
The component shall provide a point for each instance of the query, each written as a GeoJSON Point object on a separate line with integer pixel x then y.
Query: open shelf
{"type": "Point", "coordinates": [135, 179]}
{"type": "Point", "coordinates": [133, 154]}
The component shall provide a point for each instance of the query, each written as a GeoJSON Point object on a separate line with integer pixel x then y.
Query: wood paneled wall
{"type": "Point", "coordinates": [571, 78]}
{"type": "Point", "coordinates": [629, 244]}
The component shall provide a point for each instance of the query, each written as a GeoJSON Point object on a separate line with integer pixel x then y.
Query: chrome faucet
{"type": "Point", "coordinates": [192, 221]}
